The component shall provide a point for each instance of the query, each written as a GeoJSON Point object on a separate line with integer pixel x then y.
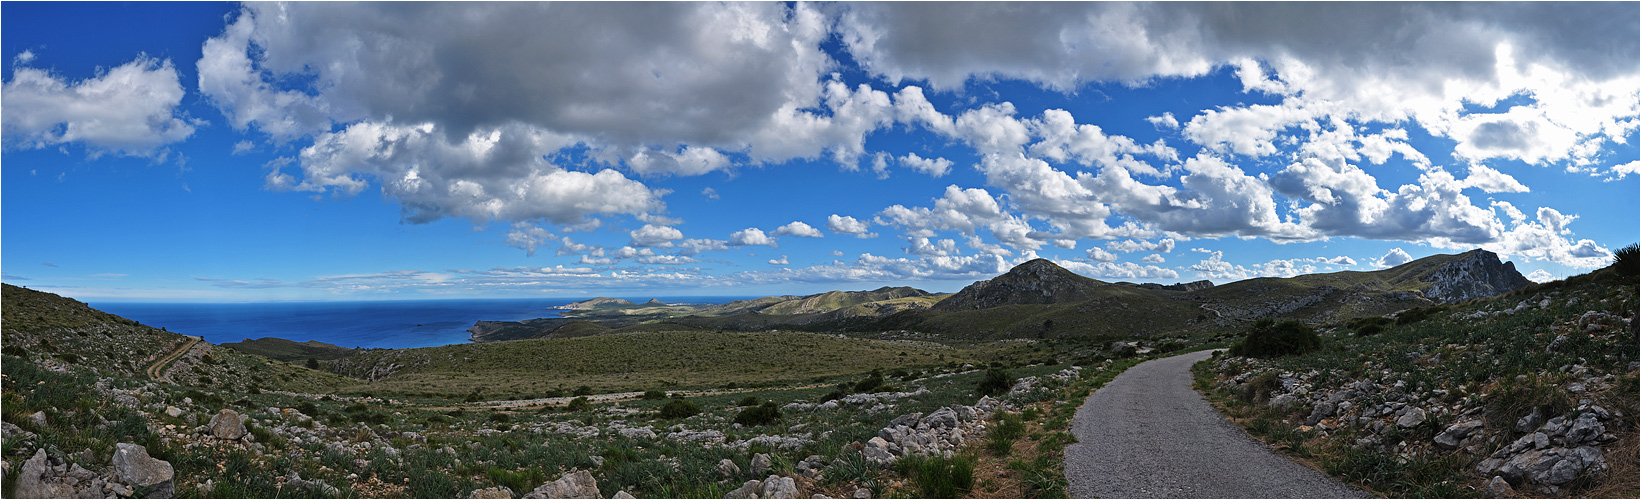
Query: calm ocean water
{"type": "Point", "coordinates": [390, 324]}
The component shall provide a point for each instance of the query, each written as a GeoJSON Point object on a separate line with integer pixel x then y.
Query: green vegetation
{"type": "Point", "coordinates": [679, 408]}
{"type": "Point", "coordinates": [764, 414]}
{"type": "Point", "coordinates": [1627, 260]}
{"type": "Point", "coordinates": [291, 351]}
{"type": "Point", "coordinates": [997, 382]}
{"type": "Point", "coordinates": [939, 477]}
{"type": "Point", "coordinates": [1268, 338]}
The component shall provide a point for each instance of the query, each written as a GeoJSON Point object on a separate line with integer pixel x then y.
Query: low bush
{"type": "Point", "coordinates": [1269, 339]}
{"type": "Point", "coordinates": [653, 394]}
{"type": "Point", "coordinates": [995, 383]}
{"type": "Point", "coordinates": [938, 477]}
{"type": "Point", "coordinates": [870, 383]}
{"type": "Point", "coordinates": [580, 403]}
{"type": "Point", "coordinates": [1004, 432]}
{"type": "Point", "coordinates": [679, 408]}
{"type": "Point", "coordinates": [1625, 260]}
{"type": "Point", "coordinates": [748, 401]}
{"type": "Point", "coordinates": [764, 414]}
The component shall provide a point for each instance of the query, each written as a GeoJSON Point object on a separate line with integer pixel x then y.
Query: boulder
{"type": "Point", "coordinates": [1411, 419]}
{"type": "Point", "coordinates": [1585, 428]}
{"type": "Point", "coordinates": [492, 492]}
{"type": "Point", "coordinates": [747, 490]}
{"type": "Point", "coordinates": [578, 484]}
{"type": "Point", "coordinates": [32, 480]}
{"type": "Point", "coordinates": [778, 487]}
{"type": "Point", "coordinates": [227, 424]}
{"type": "Point", "coordinates": [1454, 434]}
{"type": "Point", "coordinates": [760, 464]}
{"type": "Point", "coordinates": [1499, 488]}
{"type": "Point", "coordinates": [39, 419]}
{"type": "Point", "coordinates": [1553, 466]}
{"type": "Point", "coordinates": [134, 467]}
{"type": "Point", "coordinates": [623, 494]}
{"type": "Point", "coordinates": [728, 469]}
{"type": "Point", "coordinates": [861, 493]}
{"type": "Point", "coordinates": [173, 411]}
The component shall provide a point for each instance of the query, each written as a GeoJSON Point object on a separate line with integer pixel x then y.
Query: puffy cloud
{"type": "Point", "coordinates": [779, 262]}
{"type": "Point", "coordinates": [489, 175]}
{"type": "Point", "coordinates": [711, 194]}
{"type": "Point", "coordinates": [1119, 270]}
{"type": "Point", "coordinates": [129, 110]}
{"type": "Point", "coordinates": [1337, 261]}
{"type": "Point", "coordinates": [1395, 257]}
{"type": "Point", "coordinates": [876, 269]}
{"type": "Point", "coordinates": [843, 224]}
{"type": "Point", "coordinates": [1492, 181]}
{"type": "Point", "coordinates": [798, 228]}
{"type": "Point", "coordinates": [1153, 259]}
{"type": "Point", "coordinates": [1099, 255]}
{"type": "Point", "coordinates": [923, 248]}
{"type": "Point", "coordinates": [935, 167]}
{"type": "Point", "coordinates": [1541, 276]}
{"type": "Point", "coordinates": [655, 236]}
{"type": "Point", "coordinates": [749, 237]}
{"type": "Point", "coordinates": [1164, 121]}
{"type": "Point", "coordinates": [1546, 239]}
{"type": "Point", "coordinates": [695, 246]}
{"type": "Point", "coordinates": [1216, 268]}
{"type": "Point", "coordinates": [527, 237]}
{"type": "Point", "coordinates": [1164, 245]}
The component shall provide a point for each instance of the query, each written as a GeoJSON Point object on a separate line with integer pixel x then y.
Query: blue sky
{"type": "Point", "coordinates": [331, 151]}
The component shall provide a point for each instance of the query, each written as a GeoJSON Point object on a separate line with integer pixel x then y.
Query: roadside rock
{"type": "Point", "coordinates": [578, 484]}
{"type": "Point", "coordinates": [1456, 433]}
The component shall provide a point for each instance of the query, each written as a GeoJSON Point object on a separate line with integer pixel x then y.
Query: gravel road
{"type": "Point", "coordinates": [1147, 434]}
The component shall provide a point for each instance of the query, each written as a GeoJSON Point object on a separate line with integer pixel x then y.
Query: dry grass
{"type": "Point", "coordinates": [1623, 469]}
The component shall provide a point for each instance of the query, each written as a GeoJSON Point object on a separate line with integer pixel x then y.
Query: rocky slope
{"type": "Point", "coordinates": [1531, 392]}
{"type": "Point", "coordinates": [1476, 274]}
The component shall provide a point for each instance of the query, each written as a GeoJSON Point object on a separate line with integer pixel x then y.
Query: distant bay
{"type": "Point", "coordinates": [386, 324]}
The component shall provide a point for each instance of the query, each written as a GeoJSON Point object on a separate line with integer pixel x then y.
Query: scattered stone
{"type": "Point", "coordinates": [1499, 488]}
{"type": "Point", "coordinates": [760, 464]}
{"type": "Point", "coordinates": [862, 493]}
{"type": "Point", "coordinates": [623, 494]}
{"type": "Point", "coordinates": [778, 487]}
{"type": "Point", "coordinates": [1454, 434]}
{"type": "Point", "coordinates": [173, 411]}
{"type": "Point", "coordinates": [492, 492]}
{"type": "Point", "coordinates": [39, 419]}
{"type": "Point", "coordinates": [134, 467]}
{"type": "Point", "coordinates": [227, 424]}
{"type": "Point", "coordinates": [32, 482]}
{"type": "Point", "coordinates": [747, 490]}
{"type": "Point", "coordinates": [1531, 421]}
{"type": "Point", "coordinates": [1412, 418]}
{"type": "Point", "coordinates": [728, 469]}
{"type": "Point", "coordinates": [578, 484]}
{"type": "Point", "coordinates": [1585, 428]}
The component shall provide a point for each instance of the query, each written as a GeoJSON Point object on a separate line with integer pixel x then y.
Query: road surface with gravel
{"type": "Point", "coordinates": [1148, 434]}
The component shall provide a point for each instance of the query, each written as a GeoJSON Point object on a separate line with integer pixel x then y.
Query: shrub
{"type": "Point", "coordinates": [585, 390]}
{"type": "Point", "coordinates": [996, 382]}
{"type": "Point", "coordinates": [1625, 260]}
{"type": "Point", "coordinates": [499, 417]}
{"type": "Point", "coordinates": [313, 364]}
{"type": "Point", "coordinates": [308, 408]}
{"type": "Point", "coordinates": [653, 394]}
{"type": "Point", "coordinates": [831, 396]}
{"type": "Point", "coordinates": [580, 403]}
{"type": "Point", "coordinates": [759, 415]}
{"type": "Point", "coordinates": [1269, 339]}
{"type": "Point", "coordinates": [869, 383]}
{"type": "Point", "coordinates": [679, 408]}
{"type": "Point", "coordinates": [748, 401]}
{"type": "Point", "coordinates": [938, 477]}
{"type": "Point", "coordinates": [1009, 427]}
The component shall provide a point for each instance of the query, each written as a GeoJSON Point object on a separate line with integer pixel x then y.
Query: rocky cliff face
{"type": "Point", "coordinates": [1036, 282]}
{"type": "Point", "coordinates": [1478, 274]}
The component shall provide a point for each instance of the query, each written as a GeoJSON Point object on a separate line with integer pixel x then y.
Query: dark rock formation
{"type": "Point", "coordinates": [1036, 282]}
{"type": "Point", "coordinates": [1477, 274]}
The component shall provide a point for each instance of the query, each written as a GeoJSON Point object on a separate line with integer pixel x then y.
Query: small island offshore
{"type": "Point", "coordinates": [1447, 376]}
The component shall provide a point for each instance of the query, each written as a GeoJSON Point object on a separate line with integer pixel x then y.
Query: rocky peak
{"type": "Point", "coordinates": [1477, 273]}
{"type": "Point", "coordinates": [1038, 281]}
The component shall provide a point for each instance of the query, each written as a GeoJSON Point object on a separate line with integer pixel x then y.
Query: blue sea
{"type": "Point", "coordinates": [387, 324]}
